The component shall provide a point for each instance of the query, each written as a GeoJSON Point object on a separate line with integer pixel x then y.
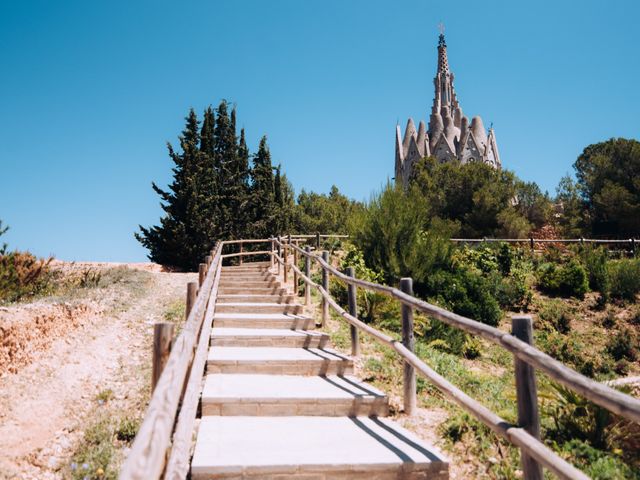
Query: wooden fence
{"type": "Point", "coordinates": [531, 241]}
{"type": "Point", "coordinates": [527, 359]}
{"type": "Point", "coordinates": [162, 447]}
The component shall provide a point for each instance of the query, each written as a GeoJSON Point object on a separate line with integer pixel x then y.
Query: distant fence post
{"type": "Point", "coordinates": [241, 251]}
{"type": "Point", "coordinates": [408, 340]}
{"type": "Point", "coordinates": [325, 285]}
{"type": "Point", "coordinates": [279, 252]}
{"type": "Point", "coordinates": [531, 243]}
{"type": "Point", "coordinates": [318, 241]}
{"type": "Point", "coordinates": [272, 253]}
{"type": "Point", "coordinates": [295, 273]}
{"type": "Point", "coordinates": [286, 260]}
{"type": "Point", "coordinates": [527, 395]}
{"type": "Point", "coordinates": [353, 310]}
{"type": "Point", "coordinates": [202, 272]}
{"type": "Point", "coordinates": [192, 292]}
{"type": "Point", "coordinates": [307, 272]}
{"type": "Point", "coordinates": [162, 339]}
{"type": "Point", "coordinates": [633, 247]}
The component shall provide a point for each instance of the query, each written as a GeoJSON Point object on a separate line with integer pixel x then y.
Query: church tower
{"type": "Point", "coordinates": [450, 136]}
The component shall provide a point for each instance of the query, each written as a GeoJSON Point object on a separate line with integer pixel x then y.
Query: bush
{"type": "Point", "coordinates": [22, 275]}
{"type": "Point", "coordinates": [466, 293]}
{"type": "Point", "coordinates": [555, 314]}
{"type": "Point", "coordinates": [624, 279]}
{"type": "Point", "coordinates": [622, 346]}
{"type": "Point", "coordinates": [569, 280]}
{"type": "Point", "coordinates": [595, 261]}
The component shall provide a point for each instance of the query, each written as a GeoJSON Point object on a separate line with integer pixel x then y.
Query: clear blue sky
{"type": "Point", "coordinates": [90, 91]}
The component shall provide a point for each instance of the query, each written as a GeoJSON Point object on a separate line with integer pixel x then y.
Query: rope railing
{"type": "Point", "coordinates": [526, 357]}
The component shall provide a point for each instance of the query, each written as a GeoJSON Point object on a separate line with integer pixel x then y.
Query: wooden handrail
{"type": "Point", "coordinates": [148, 454]}
{"type": "Point", "coordinates": [514, 434]}
{"type": "Point", "coordinates": [599, 393]}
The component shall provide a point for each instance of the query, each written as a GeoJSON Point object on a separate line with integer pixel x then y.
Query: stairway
{"type": "Point", "coordinates": [279, 403]}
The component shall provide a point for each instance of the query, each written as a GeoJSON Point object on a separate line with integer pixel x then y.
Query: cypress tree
{"type": "Point", "coordinates": [262, 200]}
{"type": "Point", "coordinates": [177, 240]}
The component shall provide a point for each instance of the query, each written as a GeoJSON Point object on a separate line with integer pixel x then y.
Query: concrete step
{"type": "Point", "coordinates": [263, 320]}
{"type": "Point", "coordinates": [252, 298]}
{"type": "Point", "coordinates": [247, 266]}
{"type": "Point", "coordinates": [278, 361]}
{"type": "Point", "coordinates": [257, 275]}
{"type": "Point", "coordinates": [284, 395]}
{"type": "Point", "coordinates": [249, 284]}
{"type": "Point", "coordinates": [239, 290]}
{"type": "Point", "coordinates": [293, 308]}
{"type": "Point", "coordinates": [268, 337]}
{"type": "Point", "coordinates": [318, 448]}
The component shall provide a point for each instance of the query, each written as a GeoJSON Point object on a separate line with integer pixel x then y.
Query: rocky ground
{"type": "Point", "coordinates": [63, 357]}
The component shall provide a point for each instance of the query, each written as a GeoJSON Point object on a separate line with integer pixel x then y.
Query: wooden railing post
{"type": "Point", "coordinates": [272, 254]}
{"type": "Point", "coordinates": [295, 274]}
{"type": "Point", "coordinates": [353, 310]}
{"type": "Point", "coordinates": [307, 272]}
{"type": "Point", "coordinates": [241, 251]}
{"type": "Point", "coordinates": [162, 339]}
{"type": "Point", "coordinates": [286, 261]}
{"type": "Point", "coordinates": [192, 292]}
{"type": "Point", "coordinates": [279, 253]}
{"type": "Point", "coordinates": [202, 272]}
{"type": "Point", "coordinates": [408, 340]}
{"type": "Point", "coordinates": [318, 241]}
{"type": "Point", "coordinates": [325, 285]}
{"type": "Point", "coordinates": [527, 395]}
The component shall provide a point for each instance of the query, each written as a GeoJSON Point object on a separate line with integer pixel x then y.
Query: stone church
{"type": "Point", "coordinates": [450, 135]}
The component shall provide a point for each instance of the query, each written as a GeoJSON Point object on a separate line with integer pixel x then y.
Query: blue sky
{"type": "Point", "coordinates": [91, 91]}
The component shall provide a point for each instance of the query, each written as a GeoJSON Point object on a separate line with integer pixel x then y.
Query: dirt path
{"type": "Point", "coordinates": [45, 406]}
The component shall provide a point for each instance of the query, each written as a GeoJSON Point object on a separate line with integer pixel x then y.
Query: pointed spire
{"type": "Point", "coordinates": [443, 62]}
{"type": "Point", "coordinates": [422, 137]}
{"type": "Point", "coordinates": [409, 132]}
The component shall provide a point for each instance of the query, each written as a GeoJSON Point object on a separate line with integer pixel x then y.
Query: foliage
{"type": "Point", "coordinates": [572, 220]}
{"type": "Point", "coordinates": [215, 194]}
{"type": "Point", "coordinates": [623, 345]}
{"type": "Point", "coordinates": [330, 213]}
{"type": "Point", "coordinates": [3, 230]}
{"type": "Point", "coordinates": [466, 293]}
{"type": "Point", "coordinates": [607, 178]}
{"type": "Point", "coordinates": [624, 278]}
{"type": "Point", "coordinates": [595, 261]}
{"type": "Point", "coordinates": [569, 279]}
{"type": "Point", "coordinates": [556, 315]}
{"type": "Point", "coordinates": [23, 275]}
{"type": "Point", "coordinates": [482, 200]}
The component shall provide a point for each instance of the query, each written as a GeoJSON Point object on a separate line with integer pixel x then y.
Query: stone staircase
{"type": "Point", "coordinates": [279, 403]}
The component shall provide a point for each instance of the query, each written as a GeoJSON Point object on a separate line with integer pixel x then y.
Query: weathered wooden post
{"type": "Point", "coordinates": [527, 395]}
{"type": "Point", "coordinates": [408, 340]}
{"type": "Point", "coordinates": [192, 292]}
{"type": "Point", "coordinates": [202, 272]}
{"type": "Point", "coordinates": [307, 272]}
{"type": "Point", "coordinates": [208, 259]}
{"type": "Point", "coordinates": [633, 247]}
{"type": "Point", "coordinates": [241, 251]}
{"type": "Point", "coordinates": [295, 274]}
{"type": "Point", "coordinates": [531, 243]}
{"type": "Point", "coordinates": [325, 285]}
{"type": "Point", "coordinates": [353, 310]}
{"type": "Point", "coordinates": [162, 340]}
{"type": "Point", "coordinates": [318, 241]}
{"type": "Point", "coordinates": [279, 253]}
{"type": "Point", "coordinates": [273, 251]}
{"type": "Point", "coordinates": [286, 261]}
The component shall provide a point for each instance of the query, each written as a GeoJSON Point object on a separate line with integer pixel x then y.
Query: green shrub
{"type": "Point", "coordinates": [466, 293]}
{"type": "Point", "coordinates": [624, 279]}
{"type": "Point", "coordinates": [557, 315]}
{"type": "Point", "coordinates": [623, 346]}
{"type": "Point", "coordinates": [597, 464]}
{"type": "Point", "coordinates": [23, 275]}
{"type": "Point", "coordinates": [595, 261]}
{"type": "Point", "coordinates": [569, 280]}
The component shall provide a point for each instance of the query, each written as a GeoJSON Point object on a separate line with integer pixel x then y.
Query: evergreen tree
{"type": "Point", "coordinates": [179, 240]}
{"type": "Point", "coordinates": [262, 203]}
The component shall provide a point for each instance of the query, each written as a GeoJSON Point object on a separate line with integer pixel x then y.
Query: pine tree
{"type": "Point", "coordinates": [262, 201]}
{"type": "Point", "coordinates": [175, 241]}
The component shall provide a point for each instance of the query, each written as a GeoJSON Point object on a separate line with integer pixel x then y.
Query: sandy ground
{"type": "Point", "coordinates": [45, 404]}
